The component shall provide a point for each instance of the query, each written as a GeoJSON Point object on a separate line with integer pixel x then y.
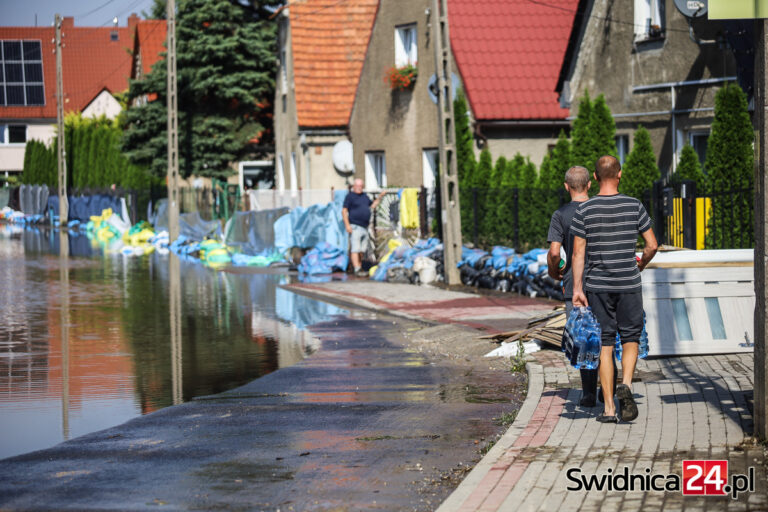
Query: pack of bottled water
{"type": "Point", "coordinates": [642, 349]}
{"type": "Point", "coordinates": [584, 329]}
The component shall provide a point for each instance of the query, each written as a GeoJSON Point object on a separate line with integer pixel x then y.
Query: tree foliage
{"type": "Point", "coordinates": [225, 54]}
{"type": "Point", "coordinates": [689, 168]}
{"type": "Point", "coordinates": [640, 169]}
{"type": "Point", "coordinates": [593, 135]}
{"type": "Point", "coordinates": [93, 158]}
{"type": "Point", "coordinates": [465, 160]}
{"type": "Point", "coordinates": [729, 166]}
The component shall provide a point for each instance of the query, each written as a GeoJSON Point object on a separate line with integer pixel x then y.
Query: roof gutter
{"type": "Point", "coordinates": [533, 123]}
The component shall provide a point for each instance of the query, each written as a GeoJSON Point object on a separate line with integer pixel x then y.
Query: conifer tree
{"type": "Point", "coordinates": [593, 135]}
{"type": "Point", "coordinates": [226, 60]}
{"type": "Point", "coordinates": [729, 166]}
{"type": "Point", "coordinates": [640, 169]}
{"type": "Point", "coordinates": [581, 138]}
{"type": "Point", "coordinates": [489, 201]}
{"type": "Point", "coordinates": [689, 168]}
{"type": "Point", "coordinates": [465, 161]}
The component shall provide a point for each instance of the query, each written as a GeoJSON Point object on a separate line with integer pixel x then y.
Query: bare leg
{"type": "Point", "coordinates": [355, 256]}
{"type": "Point", "coordinates": [628, 362]}
{"type": "Point", "coordinates": [606, 375]}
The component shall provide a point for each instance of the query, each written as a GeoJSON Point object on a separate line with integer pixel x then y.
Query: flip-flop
{"type": "Point", "coordinates": [626, 402]}
{"type": "Point", "coordinates": [604, 418]}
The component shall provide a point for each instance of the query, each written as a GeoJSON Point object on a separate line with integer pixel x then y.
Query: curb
{"type": "Point", "coordinates": [471, 481]}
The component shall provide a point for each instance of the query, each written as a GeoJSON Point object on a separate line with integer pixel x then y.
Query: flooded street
{"type": "Point", "coordinates": [280, 401]}
{"type": "Point", "coordinates": [118, 359]}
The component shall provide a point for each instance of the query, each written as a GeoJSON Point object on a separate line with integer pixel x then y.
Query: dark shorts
{"type": "Point", "coordinates": [618, 311]}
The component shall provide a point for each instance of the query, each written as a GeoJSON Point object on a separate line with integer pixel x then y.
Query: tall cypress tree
{"type": "Point", "coordinates": [226, 59]}
{"type": "Point", "coordinates": [490, 200]}
{"type": "Point", "coordinates": [465, 161]}
{"type": "Point", "coordinates": [640, 169]}
{"type": "Point", "coordinates": [729, 166]}
{"type": "Point", "coordinates": [581, 138]}
{"type": "Point", "coordinates": [689, 168]}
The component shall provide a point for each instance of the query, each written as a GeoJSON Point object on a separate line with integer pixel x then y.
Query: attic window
{"type": "Point", "coordinates": [113, 35]}
{"type": "Point", "coordinates": [649, 20]}
{"type": "Point", "coordinates": [21, 73]}
{"type": "Point", "coordinates": [406, 46]}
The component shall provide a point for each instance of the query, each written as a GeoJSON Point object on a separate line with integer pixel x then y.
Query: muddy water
{"type": "Point", "coordinates": [90, 341]}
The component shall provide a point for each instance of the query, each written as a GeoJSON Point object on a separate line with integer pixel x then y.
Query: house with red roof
{"type": "Point", "coordinates": [96, 63]}
{"type": "Point", "coordinates": [337, 67]}
{"type": "Point", "coordinates": [656, 67]}
{"type": "Point", "coordinates": [322, 46]}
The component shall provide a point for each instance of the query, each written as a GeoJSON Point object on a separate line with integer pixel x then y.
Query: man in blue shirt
{"type": "Point", "coordinates": [357, 214]}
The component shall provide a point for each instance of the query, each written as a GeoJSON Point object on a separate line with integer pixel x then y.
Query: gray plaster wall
{"type": "Point", "coordinates": [400, 123]}
{"type": "Point", "coordinates": [609, 62]}
{"type": "Point", "coordinates": [314, 167]}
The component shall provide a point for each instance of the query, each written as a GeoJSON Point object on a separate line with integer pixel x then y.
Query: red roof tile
{"type": "Point", "coordinates": [509, 53]}
{"type": "Point", "coordinates": [91, 62]}
{"type": "Point", "coordinates": [150, 43]}
{"type": "Point", "coordinates": [329, 43]}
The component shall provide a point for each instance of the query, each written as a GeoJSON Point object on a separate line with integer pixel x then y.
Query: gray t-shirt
{"type": "Point", "coordinates": [610, 225]}
{"type": "Point", "coordinates": [560, 231]}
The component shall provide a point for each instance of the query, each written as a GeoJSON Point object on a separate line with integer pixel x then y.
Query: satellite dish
{"type": "Point", "coordinates": [692, 8]}
{"type": "Point", "coordinates": [432, 86]}
{"type": "Point", "coordinates": [343, 157]}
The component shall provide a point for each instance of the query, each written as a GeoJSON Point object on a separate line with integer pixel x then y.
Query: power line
{"type": "Point", "coordinates": [96, 9]}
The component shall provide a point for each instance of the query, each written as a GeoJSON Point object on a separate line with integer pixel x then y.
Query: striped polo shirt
{"type": "Point", "coordinates": [611, 224]}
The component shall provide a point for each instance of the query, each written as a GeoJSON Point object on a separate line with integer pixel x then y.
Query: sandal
{"type": "Point", "coordinates": [604, 418]}
{"type": "Point", "coordinates": [628, 407]}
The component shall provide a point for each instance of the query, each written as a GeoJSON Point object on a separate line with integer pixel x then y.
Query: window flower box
{"type": "Point", "coordinates": [402, 78]}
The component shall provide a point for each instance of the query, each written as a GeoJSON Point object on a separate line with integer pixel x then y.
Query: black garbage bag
{"type": "Point", "coordinates": [469, 275]}
{"type": "Point", "coordinates": [480, 263]}
{"type": "Point", "coordinates": [487, 281]}
{"type": "Point", "coordinates": [398, 275]}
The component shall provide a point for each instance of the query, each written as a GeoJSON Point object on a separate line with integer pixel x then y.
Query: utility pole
{"type": "Point", "coordinates": [761, 233]}
{"type": "Point", "coordinates": [173, 129]}
{"type": "Point", "coordinates": [449, 183]}
{"type": "Point", "coordinates": [61, 153]}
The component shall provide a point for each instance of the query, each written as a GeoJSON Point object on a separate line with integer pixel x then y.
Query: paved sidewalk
{"type": "Point", "coordinates": [490, 313]}
{"type": "Point", "coordinates": [696, 407]}
{"type": "Point", "coordinates": [690, 408]}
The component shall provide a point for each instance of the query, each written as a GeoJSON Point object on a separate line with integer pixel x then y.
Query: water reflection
{"type": "Point", "coordinates": [90, 342]}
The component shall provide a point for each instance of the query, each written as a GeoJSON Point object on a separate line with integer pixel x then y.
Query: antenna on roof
{"type": "Point", "coordinates": [114, 21]}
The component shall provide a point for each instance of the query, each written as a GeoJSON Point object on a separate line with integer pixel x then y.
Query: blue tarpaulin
{"type": "Point", "coordinates": [83, 207]}
{"type": "Point", "coordinates": [308, 227]}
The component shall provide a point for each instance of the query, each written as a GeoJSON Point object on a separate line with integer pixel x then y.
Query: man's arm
{"type": "Point", "coordinates": [553, 261]}
{"type": "Point", "coordinates": [651, 246]}
{"type": "Point", "coordinates": [345, 216]}
{"type": "Point", "coordinates": [376, 201]}
{"type": "Point", "coordinates": [577, 267]}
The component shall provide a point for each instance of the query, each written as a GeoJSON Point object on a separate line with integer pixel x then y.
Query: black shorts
{"type": "Point", "coordinates": [618, 311]}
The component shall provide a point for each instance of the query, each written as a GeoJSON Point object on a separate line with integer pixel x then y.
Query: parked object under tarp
{"type": "Point", "coordinates": [308, 227]}
{"type": "Point", "coordinates": [252, 232]}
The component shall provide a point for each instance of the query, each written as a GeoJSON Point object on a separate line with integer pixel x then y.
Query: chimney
{"type": "Point", "coordinates": [67, 22]}
{"type": "Point", "coordinates": [133, 20]}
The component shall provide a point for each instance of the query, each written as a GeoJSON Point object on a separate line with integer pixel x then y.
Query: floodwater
{"type": "Point", "coordinates": [90, 341]}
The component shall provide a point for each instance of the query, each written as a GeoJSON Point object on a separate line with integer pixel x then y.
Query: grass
{"type": "Point", "coordinates": [517, 362]}
{"type": "Point", "coordinates": [506, 419]}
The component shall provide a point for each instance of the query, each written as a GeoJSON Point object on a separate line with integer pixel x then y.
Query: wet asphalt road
{"type": "Point", "coordinates": [366, 423]}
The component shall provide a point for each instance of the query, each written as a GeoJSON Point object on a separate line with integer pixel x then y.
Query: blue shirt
{"type": "Point", "coordinates": [359, 208]}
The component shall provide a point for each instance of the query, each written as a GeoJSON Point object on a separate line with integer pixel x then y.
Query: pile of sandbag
{"type": "Point", "coordinates": [420, 263]}
{"type": "Point", "coordinates": [504, 270]}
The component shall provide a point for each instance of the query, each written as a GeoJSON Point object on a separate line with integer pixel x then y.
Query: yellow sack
{"type": "Point", "coordinates": [409, 208]}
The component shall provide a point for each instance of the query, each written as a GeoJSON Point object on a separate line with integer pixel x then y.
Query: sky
{"type": "Point", "coordinates": [87, 13]}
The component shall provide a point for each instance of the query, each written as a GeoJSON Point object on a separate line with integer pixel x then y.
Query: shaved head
{"type": "Point", "coordinates": [607, 167]}
{"type": "Point", "coordinates": [577, 178]}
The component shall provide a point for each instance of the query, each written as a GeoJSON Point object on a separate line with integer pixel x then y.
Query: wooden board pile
{"type": "Point", "coordinates": [547, 328]}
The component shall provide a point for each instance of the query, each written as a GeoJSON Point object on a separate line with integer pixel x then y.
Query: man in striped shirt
{"type": "Point", "coordinates": [606, 228]}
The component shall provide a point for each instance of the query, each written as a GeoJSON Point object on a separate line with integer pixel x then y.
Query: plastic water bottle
{"type": "Point", "coordinates": [642, 349]}
{"type": "Point", "coordinates": [588, 341]}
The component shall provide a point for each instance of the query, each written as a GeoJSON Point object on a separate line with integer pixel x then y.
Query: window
{"type": "Point", "coordinates": [429, 163]}
{"type": "Point", "coordinates": [13, 134]}
{"type": "Point", "coordinates": [375, 170]}
{"type": "Point", "coordinates": [622, 146]}
{"type": "Point", "coordinates": [649, 20]}
{"type": "Point", "coordinates": [21, 74]}
{"type": "Point", "coordinates": [699, 142]}
{"type": "Point", "coordinates": [406, 46]}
